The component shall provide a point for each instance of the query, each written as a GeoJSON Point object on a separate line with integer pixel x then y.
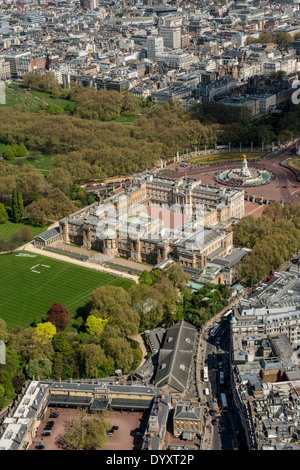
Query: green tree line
{"type": "Point", "coordinates": [273, 238]}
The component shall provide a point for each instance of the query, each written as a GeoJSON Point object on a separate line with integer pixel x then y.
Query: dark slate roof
{"type": "Point", "coordinates": [175, 356]}
{"type": "Point", "coordinates": [130, 403]}
{"type": "Point", "coordinates": [69, 400]}
{"type": "Point", "coordinates": [186, 411]}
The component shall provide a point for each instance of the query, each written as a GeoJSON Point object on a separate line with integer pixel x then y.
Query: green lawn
{"type": "Point", "coordinates": [9, 227]}
{"type": "Point", "coordinates": [27, 295]}
{"type": "Point", "coordinates": [58, 101]}
{"type": "Point", "coordinates": [40, 162]}
{"type": "Point", "coordinates": [20, 97]}
{"type": "Point", "coordinates": [126, 119]}
{"type": "Point", "coordinates": [15, 95]}
{"type": "Point", "coordinates": [2, 147]}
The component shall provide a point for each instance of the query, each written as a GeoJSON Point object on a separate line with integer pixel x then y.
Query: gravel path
{"type": "Point", "coordinates": [32, 249]}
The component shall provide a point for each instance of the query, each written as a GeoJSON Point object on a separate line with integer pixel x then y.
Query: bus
{"type": "Point", "coordinates": [224, 402]}
{"type": "Point", "coordinates": [215, 330]}
{"type": "Point", "coordinates": [227, 315]}
{"type": "Point", "coordinates": [205, 374]}
{"type": "Point", "coordinates": [221, 378]}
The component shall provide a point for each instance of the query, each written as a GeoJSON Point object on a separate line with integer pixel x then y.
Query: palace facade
{"type": "Point", "coordinates": [158, 219]}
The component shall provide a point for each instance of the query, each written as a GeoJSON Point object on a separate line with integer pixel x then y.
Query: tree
{"type": "Point", "coordinates": [4, 334]}
{"type": "Point", "coordinates": [41, 368]}
{"type": "Point", "coordinates": [114, 303]}
{"type": "Point", "coordinates": [283, 38]}
{"type": "Point", "coordinates": [54, 109]}
{"type": "Point", "coordinates": [62, 345]}
{"type": "Point", "coordinates": [8, 153]}
{"type": "Point", "coordinates": [94, 325]}
{"type": "Point", "coordinates": [86, 433]}
{"type": "Point", "coordinates": [120, 351]}
{"type": "Point", "coordinates": [3, 214]}
{"type": "Point", "coordinates": [58, 315]}
{"type": "Point", "coordinates": [95, 362]}
{"type": "Point", "coordinates": [145, 278]}
{"type": "Point", "coordinates": [176, 275]}
{"type": "Point", "coordinates": [46, 331]}
{"type": "Point", "coordinates": [55, 206]}
{"type": "Point", "coordinates": [10, 376]}
{"type": "Point", "coordinates": [28, 344]}
{"type": "Point", "coordinates": [59, 178]}
{"type": "Point", "coordinates": [17, 207]}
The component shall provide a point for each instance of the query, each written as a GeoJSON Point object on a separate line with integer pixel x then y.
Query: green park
{"type": "Point", "coordinates": [30, 285]}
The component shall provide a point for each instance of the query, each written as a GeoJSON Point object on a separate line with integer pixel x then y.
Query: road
{"type": "Point", "coordinates": [285, 186]}
{"type": "Point", "coordinates": [221, 427]}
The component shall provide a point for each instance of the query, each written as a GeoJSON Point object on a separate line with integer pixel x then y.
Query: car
{"type": "Point", "coordinates": [47, 432]}
{"type": "Point", "coordinates": [54, 414]}
{"type": "Point", "coordinates": [115, 428]}
{"type": "Point", "coordinates": [40, 446]}
{"type": "Point", "coordinates": [110, 433]}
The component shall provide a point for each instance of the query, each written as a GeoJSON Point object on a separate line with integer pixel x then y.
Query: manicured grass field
{"type": "Point", "coordinates": [27, 295]}
{"type": "Point", "coordinates": [9, 227]}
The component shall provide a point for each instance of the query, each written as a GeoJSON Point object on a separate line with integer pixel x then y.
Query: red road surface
{"type": "Point", "coordinates": [284, 187]}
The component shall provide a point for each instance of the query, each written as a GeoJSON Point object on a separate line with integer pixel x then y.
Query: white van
{"type": "Point", "coordinates": [206, 391]}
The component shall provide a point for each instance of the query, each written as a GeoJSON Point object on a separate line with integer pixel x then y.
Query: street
{"type": "Point", "coordinates": [222, 427]}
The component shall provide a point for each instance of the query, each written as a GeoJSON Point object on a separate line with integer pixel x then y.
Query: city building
{"type": "Point", "coordinates": [169, 29]}
{"type": "Point", "coordinates": [175, 358]}
{"type": "Point", "coordinates": [155, 46]}
{"type": "Point", "coordinates": [187, 420]}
